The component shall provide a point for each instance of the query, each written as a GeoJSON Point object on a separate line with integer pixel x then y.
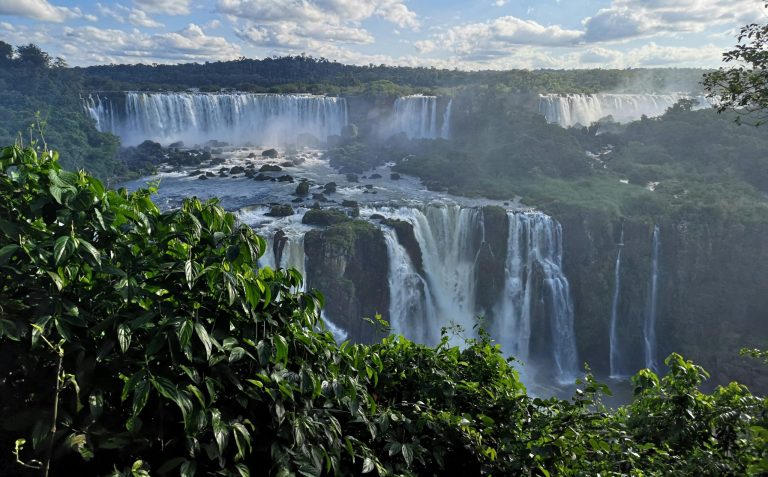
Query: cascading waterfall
{"type": "Point", "coordinates": [615, 352]}
{"type": "Point", "coordinates": [649, 325]}
{"type": "Point", "coordinates": [410, 300]}
{"type": "Point", "coordinates": [236, 118]}
{"type": "Point", "coordinates": [101, 110]}
{"type": "Point", "coordinates": [535, 243]}
{"type": "Point", "coordinates": [568, 110]}
{"type": "Point", "coordinates": [447, 237]}
{"type": "Point", "coordinates": [417, 117]}
{"type": "Point", "coordinates": [450, 238]}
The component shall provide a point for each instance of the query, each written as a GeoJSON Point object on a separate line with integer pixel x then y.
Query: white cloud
{"type": "Point", "coordinates": [134, 16]}
{"type": "Point", "coordinates": [140, 18]}
{"type": "Point", "coordinates": [38, 10]}
{"type": "Point", "coordinates": [92, 45]}
{"type": "Point", "coordinates": [626, 19]}
{"type": "Point", "coordinates": [168, 7]}
{"type": "Point", "coordinates": [425, 46]}
{"type": "Point", "coordinates": [502, 36]}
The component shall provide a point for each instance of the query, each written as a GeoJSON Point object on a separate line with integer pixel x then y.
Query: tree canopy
{"type": "Point", "coordinates": [744, 87]}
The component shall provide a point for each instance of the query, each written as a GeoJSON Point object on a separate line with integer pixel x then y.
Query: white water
{"type": "Point", "coordinates": [649, 325]}
{"type": "Point", "coordinates": [101, 110]}
{"type": "Point", "coordinates": [418, 117]}
{"type": "Point", "coordinates": [535, 243]}
{"type": "Point", "coordinates": [584, 109]}
{"type": "Point", "coordinates": [447, 238]}
{"type": "Point", "coordinates": [235, 118]}
{"type": "Point", "coordinates": [615, 352]}
{"type": "Point", "coordinates": [450, 238]}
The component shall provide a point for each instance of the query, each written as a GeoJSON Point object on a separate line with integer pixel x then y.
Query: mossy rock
{"type": "Point", "coordinates": [271, 153]}
{"type": "Point", "coordinates": [282, 210]}
{"type": "Point", "coordinates": [324, 217]}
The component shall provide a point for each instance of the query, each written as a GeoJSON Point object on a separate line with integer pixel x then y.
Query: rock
{"type": "Point", "coordinates": [278, 245]}
{"type": "Point", "coordinates": [407, 238]}
{"type": "Point", "coordinates": [334, 141]}
{"type": "Point", "coordinates": [349, 203]}
{"type": "Point", "coordinates": [282, 210]}
{"type": "Point", "coordinates": [369, 186]}
{"type": "Point", "coordinates": [316, 206]}
{"type": "Point", "coordinates": [352, 178]}
{"type": "Point", "coordinates": [202, 177]}
{"type": "Point", "coordinates": [262, 177]}
{"type": "Point", "coordinates": [209, 174]}
{"type": "Point", "coordinates": [302, 190]}
{"type": "Point", "coordinates": [285, 178]}
{"type": "Point", "coordinates": [251, 155]}
{"type": "Point", "coordinates": [196, 172]}
{"type": "Point", "coordinates": [307, 140]}
{"type": "Point", "coordinates": [250, 173]}
{"type": "Point", "coordinates": [375, 176]}
{"type": "Point", "coordinates": [377, 217]}
{"type": "Point", "coordinates": [330, 188]}
{"type": "Point", "coordinates": [320, 197]}
{"type": "Point", "coordinates": [349, 131]}
{"type": "Point", "coordinates": [297, 200]}
{"type": "Point", "coordinates": [286, 164]}
{"type": "Point", "coordinates": [348, 263]}
{"type": "Point", "coordinates": [324, 217]}
{"type": "Point", "coordinates": [270, 168]}
{"type": "Point", "coordinates": [237, 170]}
{"type": "Point", "coordinates": [176, 145]}
{"type": "Point", "coordinates": [217, 160]}
{"type": "Point", "coordinates": [271, 153]}
{"type": "Point", "coordinates": [394, 176]}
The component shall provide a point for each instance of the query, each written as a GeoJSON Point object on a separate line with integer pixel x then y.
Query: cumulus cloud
{"type": "Point", "coordinates": [168, 7]}
{"type": "Point", "coordinates": [627, 19]}
{"type": "Point", "coordinates": [502, 36]}
{"type": "Point", "coordinates": [92, 45]}
{"type": "Point", "coordinates": [291, 24]}
{"type": "Point", "coordinates": [38, 10]}
{"type": "Point", "coordinates": [134, 16]}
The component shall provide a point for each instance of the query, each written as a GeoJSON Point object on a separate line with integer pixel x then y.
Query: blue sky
{"type": "Point", "coordinates": [464, 34]}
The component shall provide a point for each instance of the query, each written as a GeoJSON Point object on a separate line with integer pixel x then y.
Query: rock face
{"type": "Point", "coordinates": [711, 293]}
{"type": "Point", "coordinates": [492, 259]}
{"type": "Point", "coordinates": [407, 238]}
{"type": "Point", "coordinates": [348, 263]}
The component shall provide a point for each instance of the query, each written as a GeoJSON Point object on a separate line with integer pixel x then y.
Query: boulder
{"type": "Point", "coordinates": [302, 190]}
{"type": "Point", "coordinates": [270, 168]}
{"type": "Point", "coordinates": [281, 210]}
{"type": "Point", "coordinates": [330, 188]}
{"type": "Point", "coordinates": [271, 153]}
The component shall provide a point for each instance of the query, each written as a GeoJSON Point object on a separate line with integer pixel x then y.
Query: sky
{"type": "Point", "coordinates": [463, 34]}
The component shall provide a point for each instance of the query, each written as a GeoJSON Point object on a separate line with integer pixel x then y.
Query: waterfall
{"type": "Point", "coordinates": [236, 118]}
{"type": "Point", "coordinates": [448, 238]}
{"type": "Point", "coordinates": [101, 111]}
{"type": "Point", "coordinates": [410, 300]}
{"type": "Point", "coordinates": [417, 116]}
{"type": "Point", "coordinates": [614, 332]}
{"type": "Point", "coordinates": [584, 109]}
{"type": "Point", "coordinates": [649, 326]}
{"type": "Point", "coordinates": [535, 244]}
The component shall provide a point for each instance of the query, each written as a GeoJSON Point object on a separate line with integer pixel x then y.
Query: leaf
{"type": "Point", "coordinates": [7, 252]}
{"type": "Point", "coordinates": [202, 333]}
{"type": "Point", "coordinates": [408, 454]}
{"type": "Point", "coordinates": [368, 465]}
{"type": "Point", "coordinates": [281, 348]}
{"type": "Point", "coordinates": [124, 337]}
{"type": "Point", "coordinates": [91, 251]}
{"type": "Point", "coordinates": [220, 432]}
{"type": "Point", "coordinates": [188, 468]}
{"type": "Point", "coordinates": [170, 464]}
{"type": "Point", "coordinates": [185, 333]}
{"type": "Point", "coordinates": [140, 396]}
{"type": "Point", "coordinates": [63, 248]}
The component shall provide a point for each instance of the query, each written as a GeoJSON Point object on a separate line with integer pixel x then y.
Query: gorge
{"type": "Point", "coordinates": [546, 285]}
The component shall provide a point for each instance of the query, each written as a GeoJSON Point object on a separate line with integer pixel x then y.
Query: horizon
{"type": "Point", "coordinates": [479, 35]}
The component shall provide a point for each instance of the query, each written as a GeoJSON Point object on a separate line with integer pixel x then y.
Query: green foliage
{"type": "Point", "coordinates": [137, 342]}
{"type": "Point", "coordinates": [743, 87]}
